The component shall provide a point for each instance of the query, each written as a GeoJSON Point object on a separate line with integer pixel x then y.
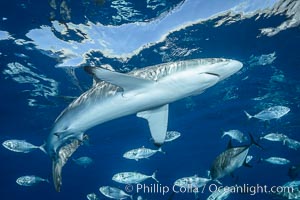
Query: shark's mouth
{"type": "Point", "coordinates": [64, 153]}
{"type": "Point", "coordinates": [213, 74]}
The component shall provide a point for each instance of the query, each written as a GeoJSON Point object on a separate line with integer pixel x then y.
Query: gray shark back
{"type": "Point", "coordinates": [103, 90]}
{"type": "Point", "coordinates": [159, 71]}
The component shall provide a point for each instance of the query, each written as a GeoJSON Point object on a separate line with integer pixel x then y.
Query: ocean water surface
{"type": "Point", "coordinates": [44, 46]}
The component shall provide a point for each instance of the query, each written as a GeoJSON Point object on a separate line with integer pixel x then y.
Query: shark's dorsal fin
{"type": "Point", "coordinates": [158, 122]}
{"type": "Point", "coordinates": [125, 81]}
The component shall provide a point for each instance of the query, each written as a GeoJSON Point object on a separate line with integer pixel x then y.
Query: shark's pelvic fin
{"type": "Point", "coordinates": [124, 81]}
{"type": "Point", "coordinates": [158, 122]}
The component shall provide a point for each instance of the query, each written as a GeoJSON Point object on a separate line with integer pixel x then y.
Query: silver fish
{"type": "Point", "coordinates": [140, 198]}
{"type": "Point", "coordinates": [21, 146]}
{"type": "Point", "coordinates": [230, 160]}
{"type": "Point", "coordinates": [132, 177]}
{"type": "Point", "coordinates": [291, 191]}
{"type": "Point", "coordinates": [114, 193]}
{"type": "Point", "coordinates": [30, 180]}
{"type": "Point", "coordinates": [191, 182]}
{"type": "Point", "coordinates": [291, 143]}
{"type": "Point", "coordinates": [294, 171]}
{"type": "Point", "coordinates": [274, 112]}
{"type": "Point", "coordinates": [146, 92]}
{"type": "Point", "coordinates": [83, 161]}
{"type": "Point", "coordinates": [275, 137]}
{"type": "Point", "coordinates": [219, 194]}
{"type": "Point", "coordinates": [92, 196]}
{"type": "Point", "coordinates": [276, 160]}
{"type": "Point", "coordinates": [236, 135]}
{"type": "Point", "coordinates": [248, 158]}
{"type": "Point", "coordinates": [292, 184]}
{"type": "Point", "coordinates": [172, 135]}
{"type": "Point", "coordinates": [141, 153]}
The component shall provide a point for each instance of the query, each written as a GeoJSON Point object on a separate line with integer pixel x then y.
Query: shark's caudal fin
{"type": "Point", "coordinates": [61, 159]}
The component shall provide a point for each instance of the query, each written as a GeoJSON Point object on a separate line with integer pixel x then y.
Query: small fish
{"type": "Point", "coordinates": [276, 160]}
{"type": "Point", "coordinates": [30, 180]}
{"type": "Point", "coordinates": [291, 143]}
{"type": "Point", "coordinates": [141, 153]}
{"type": "Point", "coordinates": [191, 182]}
{"type": "Point", "coordinates": [292, 184]}
{"type": "Point", "coordinates": [230, 160]}
{"type": "Point", "coordinates": [248, 158]}
{"type": "Point", "coordinates": [275, 137]}
{"type": "Point", "coordinates": [21, 146]}
{"type": "Point", "coordinates": [92, 196]}
{"type": "Point", "coordinates": [294, 171]}
{"type": "Point", "coordinates": [114, 193]}
{"type": "Point", "coordinates": [21, 55]}
{"type": "Point", "coordinates": [219, 194]}
{"type": "Point", "coordinates": [139, 198]}
{"type": "Point", "coordinates": [274, 112]}
{"type": "Point", "coordinates": [236, 135]}
{"type": "Point", "coordinates": [83, 161]}
{"type": "Point", "coordinates": [132, 177]}
{"type": "Point", "coordinates": [293, 191]}
{"type": "Point", "coordinates": [172, 135]}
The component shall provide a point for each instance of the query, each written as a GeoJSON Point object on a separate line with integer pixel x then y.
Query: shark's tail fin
{"type": "Point", "coordinates": [61, 159]}
{"type": "Point", "coordinates": [57, 166]}
{"type": "Point", "coordinates": [248, 115]}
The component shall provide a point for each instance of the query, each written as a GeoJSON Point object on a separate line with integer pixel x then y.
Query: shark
{"type": "Point", "coordinates": [146, 92]}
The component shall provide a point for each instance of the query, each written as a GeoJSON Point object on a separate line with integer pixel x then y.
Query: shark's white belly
{"type": "Point", "coordinates": [160, 93]}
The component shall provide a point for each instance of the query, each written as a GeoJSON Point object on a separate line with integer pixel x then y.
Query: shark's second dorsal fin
{"type": "Point", "coordinates": [158, 122]}
{"type": "Point", "coordinates": [125, 81]}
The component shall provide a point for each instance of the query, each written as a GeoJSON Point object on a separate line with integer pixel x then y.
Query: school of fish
{"type": "Point", "coordinates": [226, 163]}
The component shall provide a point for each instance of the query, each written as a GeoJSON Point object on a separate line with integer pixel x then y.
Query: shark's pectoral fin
{"type": "Point", "coordinates": [125, 81]}
{"type": "Point", "coordinates": [61, 159]}
{"type": "Point", "coordinates": [158, 122]}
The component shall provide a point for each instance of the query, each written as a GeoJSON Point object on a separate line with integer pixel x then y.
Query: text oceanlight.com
{"type": "Point", "coordinates": [240, 189]}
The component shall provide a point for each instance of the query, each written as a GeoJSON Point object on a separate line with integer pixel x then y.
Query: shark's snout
{"type": "Point", "coordinates": [226, 69]}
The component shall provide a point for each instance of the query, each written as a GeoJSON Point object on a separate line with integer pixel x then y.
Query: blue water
{"type": "Point", "coordinates": [200, 119]}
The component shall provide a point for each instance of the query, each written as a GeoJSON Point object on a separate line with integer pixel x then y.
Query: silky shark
{"type": "Point", "coordinates": [146, 91]}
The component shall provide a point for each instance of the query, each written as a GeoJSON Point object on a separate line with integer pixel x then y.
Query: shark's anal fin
{"type": "Point", "coordinates": [61, 159]}
{"type": "Point", "coordinates": [158, 122]}
{"type": "Point", "coordinates": [125, 81]}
